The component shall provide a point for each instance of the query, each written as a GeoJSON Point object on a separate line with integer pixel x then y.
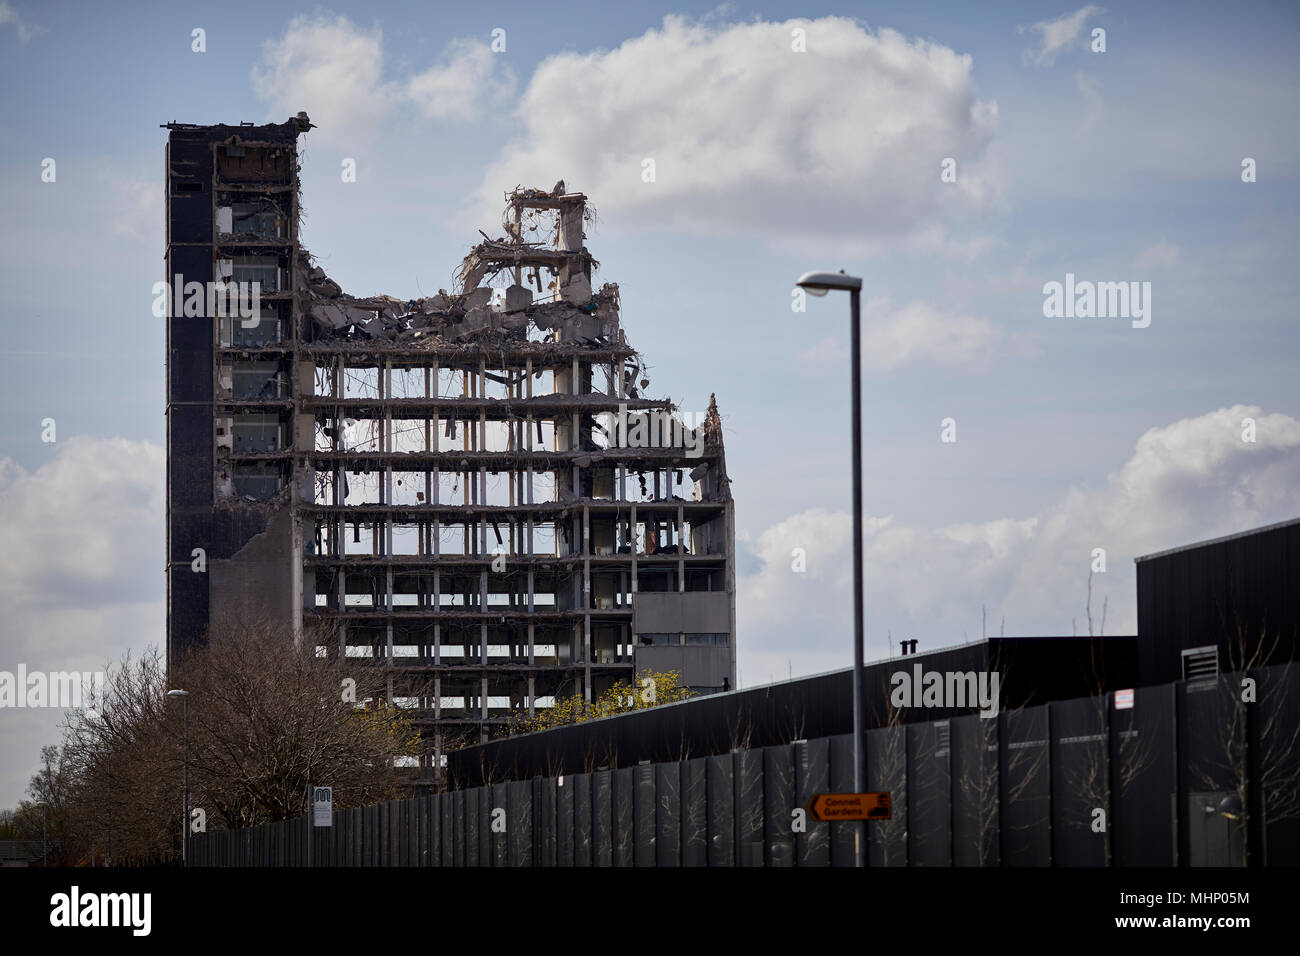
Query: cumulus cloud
{"type": "Point", "coordinates": [81, 574]}
{"type": "Point", "coordinates": [922, 334]}
{"type": "Point", "coordinates": [330, 67]}
{"type": "Point", "coordinates": [746, 134]}
{"type": "Point", "coordinates": [1187, 481]}
{"type": "Point", "coordinates": [1059, 34]}
{"type": "Point", "coordinates": [454, 88]}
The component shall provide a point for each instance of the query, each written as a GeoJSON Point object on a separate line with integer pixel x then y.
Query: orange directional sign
{"type": "Point", "coordinates": [849, 806]}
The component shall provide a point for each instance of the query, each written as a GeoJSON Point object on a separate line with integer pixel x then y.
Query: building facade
{"type": "Point", "coordinates": [471, 489]}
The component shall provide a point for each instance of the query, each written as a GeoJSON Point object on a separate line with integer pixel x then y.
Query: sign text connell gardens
{"type": "Point", "coordinates": [849, 806]}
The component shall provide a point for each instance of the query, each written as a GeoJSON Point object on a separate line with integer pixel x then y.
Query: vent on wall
{"type": "Point", "coordinates": [1201, 662]}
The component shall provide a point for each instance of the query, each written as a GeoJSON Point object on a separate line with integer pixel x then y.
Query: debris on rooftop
{"type": "Point", "coordinates": [543, 290]}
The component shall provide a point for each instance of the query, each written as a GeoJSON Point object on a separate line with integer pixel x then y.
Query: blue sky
{"type": "Point", "coordinates": [1072, 434]}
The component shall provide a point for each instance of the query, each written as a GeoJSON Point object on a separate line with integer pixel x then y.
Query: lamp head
{"type": "Point", "coordinates": [819, 283]}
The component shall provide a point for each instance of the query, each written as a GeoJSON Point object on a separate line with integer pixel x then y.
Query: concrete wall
{"type": "Point", "coordinates": [700, 666]}
{"type": "Point", "coordinates": [258, 581]}
{"type": "Point", "coordinates": [676, 612]}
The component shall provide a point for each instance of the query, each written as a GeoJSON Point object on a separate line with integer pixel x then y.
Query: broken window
{"type": "Point", "coordinates": [259, 329]}
{"type": "Point", "coordinates": [264, 270]}
{"type": "Point", "coordinates": [706, 639]}
{"type": "Point", "coordinates": [258, 480]}
{"type": "Point", "coordinates": [253, 163]}
{"type": "Point", "coordinates": [258, 433]}
{"type": "Point", "coordinates": [261, 218]}
{"type": "Point", "coordinates": [254, 380]}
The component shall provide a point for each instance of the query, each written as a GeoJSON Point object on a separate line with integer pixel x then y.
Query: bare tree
{"type": "Point", "coordinates": [890, 768]}
{"type": "Point", "coordinates": [1105, 770]}
{"type": "Point", "coordinates": [980, 785]}
{"type": "Point", "coordinates": [1257, 746]}
{"type": "Point", "coordinates": [266, 719]}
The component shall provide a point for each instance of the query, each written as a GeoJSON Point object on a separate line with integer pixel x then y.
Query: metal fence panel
{"type": "Point", "coordinates": [749, 807]}
{"type": "Point", "coordinates": [928, 793]}
{"type": "Point", "coordinates": [624, 783]}
{"type": "Point", "coordinates": [564, 821]}
{"type": "Point", "coordinates": [447, 829]}
{"type": "Point", "coordinates": [812, 769]}
{"type": "Point", "coordinates": [1081, 782]}
{"type": "Point", "coordinates": [434, 839]}
{"type": "Point", "coordinates": [1025, 775]}
{"type": "Point", "coordinates": [695, 812]}
{"type": "Point", "coordinates": [668, 814]}
{"type": "Point", "coordinates": [499, 823]}
{"type": "Point", "coordinates": [1277, 745]}
{"type": "Point", "coordinates": [473, 825]}
{"type": "Point", "coordinates": [1144, 779]}
{"type": "Point", "coordinates": [519, 822]}
{"type": "Point", "coordinates": [643, 810]}
{"type": "Point", "coordinates": [1212, 759]}
{"type": "Point", "coordinates": [778, 804]}
{"type": "Point", "coordinates": [721, 801]}
{"type": "Point", "coordinates": [842, 834]}
{"type": "Point", "coordinates": [973, 742]}
{"type": "Point", "coordinates": [459, 819]}
{"type": "Point", "coordinates": [548, 811]}
{"type": "Point", "coordinates": [582, 819]}
{"type": "Point", "coordinates": [887, 771]}
{"type": "Point", "coordinates": [602, 818]}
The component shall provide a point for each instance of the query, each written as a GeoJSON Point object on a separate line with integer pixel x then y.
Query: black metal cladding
{"type": "Point", "coordinates": [189, 396]}
{"type": "Point", "coordinates": [1202, 594]}
{"type": "Point", "coordinates": [1037, 669]}
{"type": "Point", "coordinates": [192, 520]}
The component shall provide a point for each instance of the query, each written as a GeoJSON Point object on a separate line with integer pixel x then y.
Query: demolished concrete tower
{"type": "Point", "coordinates": [470, 489]}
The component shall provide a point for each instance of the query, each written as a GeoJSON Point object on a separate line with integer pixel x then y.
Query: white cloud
{"type": "Point", "coordinates": [329, 67]}
{"type": "Point", "coordinates": [919, 333]}
{"type": "Point", "coordinates": [844, 139]}
{"type": "Point", "coordinates": [1058, 34]}
{"type": "Point", "coordinates": [81, 574]}
{"type": "Point", "coordinates": [1185, 482]}
{"type": "Point", "coordinates": [9, 17]}
{"type": "Point", "coordinates": [454, 89]}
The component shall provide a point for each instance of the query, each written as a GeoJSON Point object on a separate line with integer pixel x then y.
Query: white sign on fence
{"type": "Point", "coordinates": [1124, 699]}
{"type": "Point", "coordinates": [323, 806]}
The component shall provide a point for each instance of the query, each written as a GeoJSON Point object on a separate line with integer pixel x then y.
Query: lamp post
{"type": "Point", "coordinates": [819, 283]}
{"type": "Point", "coordinates": [184, 695]}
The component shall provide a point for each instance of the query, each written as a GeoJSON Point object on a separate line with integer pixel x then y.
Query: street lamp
{"type": "Point", "coordinates": [819, 283]}
{"type": "Point", "coordinates": [184, 695]}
